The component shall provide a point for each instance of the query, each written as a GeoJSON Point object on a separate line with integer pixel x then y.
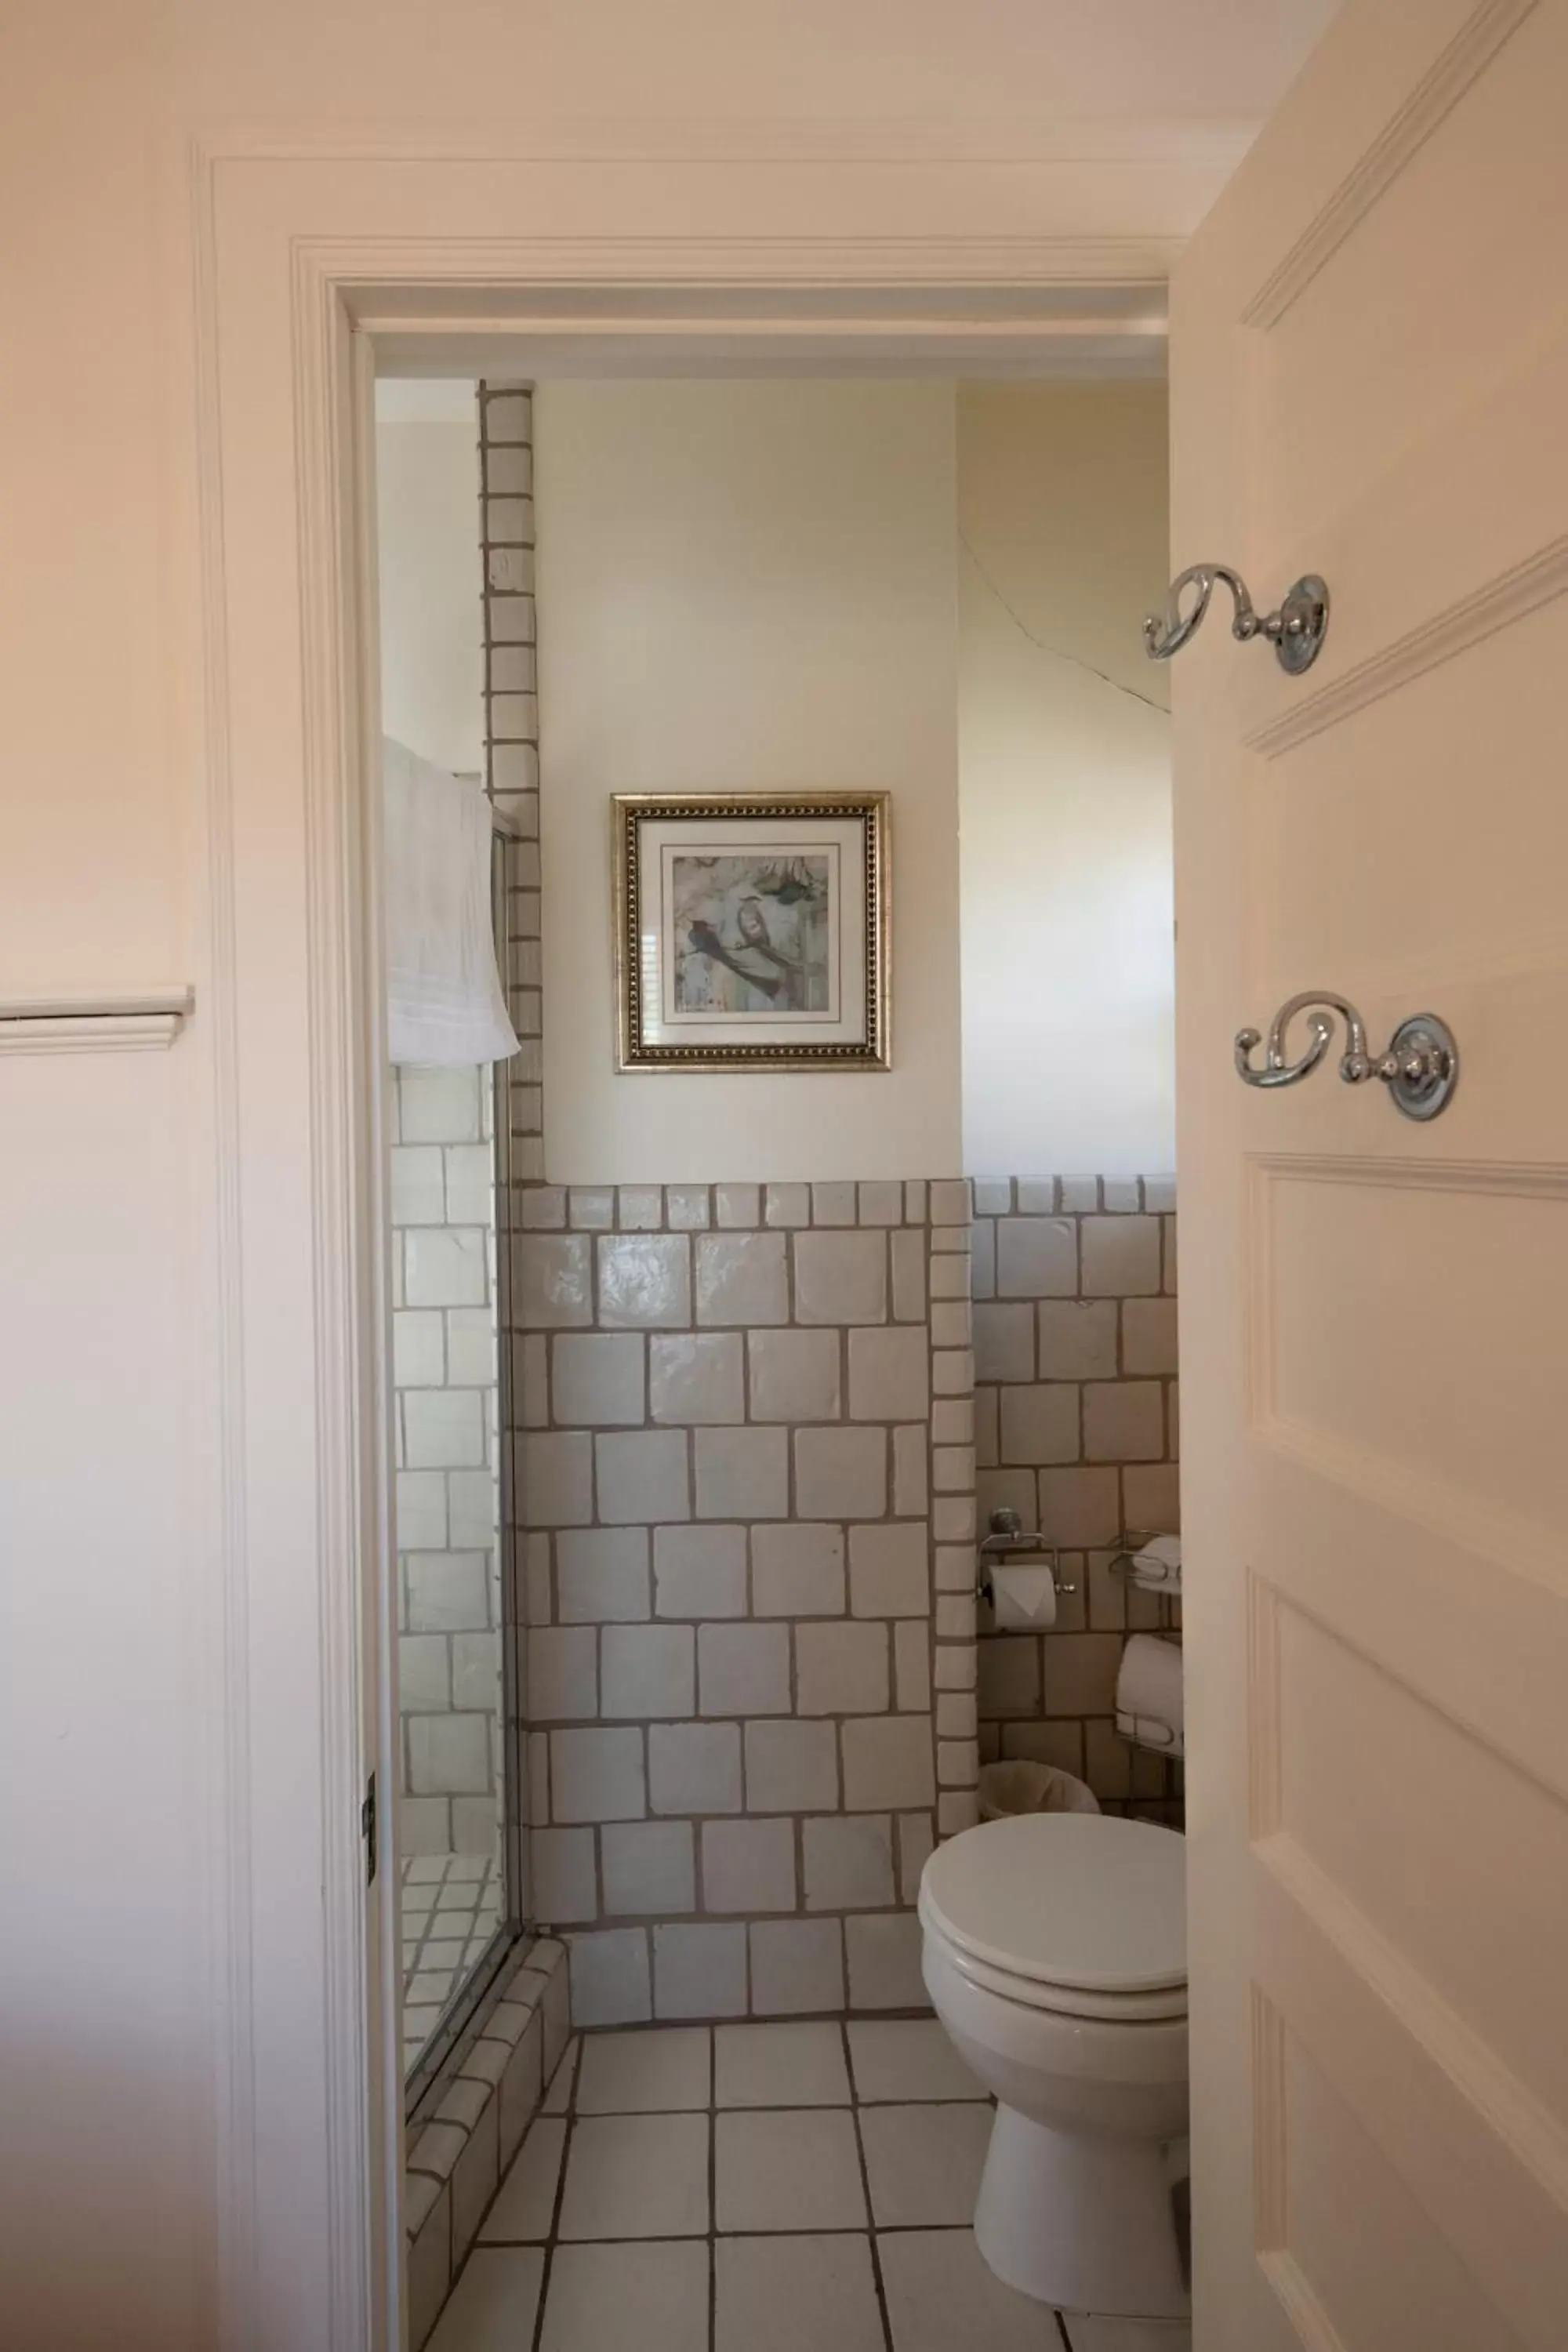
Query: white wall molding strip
{"type": "Point", "coordinates": [93, 1021]}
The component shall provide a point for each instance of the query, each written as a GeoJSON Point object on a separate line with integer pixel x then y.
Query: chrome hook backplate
{"type": "Point", "coordinates": [1296, 631]}
{"type": "Point", "coordinates": [1420, 1069]}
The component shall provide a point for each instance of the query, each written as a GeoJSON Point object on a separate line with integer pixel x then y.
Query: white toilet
{"type": "Point", "coordinates": [1056, 1958]}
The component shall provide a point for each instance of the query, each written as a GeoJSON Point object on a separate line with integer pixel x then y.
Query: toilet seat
{"type": "Point", "coordinates": [1083, 1914]}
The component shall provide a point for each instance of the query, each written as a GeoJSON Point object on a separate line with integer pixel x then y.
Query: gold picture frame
{"type": "Point", "coordinates": [751, 931]}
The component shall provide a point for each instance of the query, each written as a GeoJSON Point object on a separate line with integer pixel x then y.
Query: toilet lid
{"type": "Point", "coordinates": [1076, 1899]}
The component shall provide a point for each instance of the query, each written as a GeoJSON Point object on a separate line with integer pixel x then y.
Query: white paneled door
{"type": "Point", "coordinates": [1370, 382]}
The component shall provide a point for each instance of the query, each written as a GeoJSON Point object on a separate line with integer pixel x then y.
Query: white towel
{"type": "Point", "coordinates": [1148, 1706]}
{"type": "Point", "coordinates": [444, 998]}
{"type": "Point", "coordinates": [1158, 1567]}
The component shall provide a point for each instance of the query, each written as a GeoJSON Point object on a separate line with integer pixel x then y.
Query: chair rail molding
{"type": "Point", "coordinates": [94, 1020]}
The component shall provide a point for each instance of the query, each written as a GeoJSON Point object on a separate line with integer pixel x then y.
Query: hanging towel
{"type": "Point", "coordinates": [1149, 1700]}
{"type": "Point", "coordinates": [1158, 1567]}
{"type": "Point", "coordinates": [444, 999]}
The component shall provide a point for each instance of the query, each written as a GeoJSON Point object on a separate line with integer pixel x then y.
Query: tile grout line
{"type": "Point", "coordinates": [878, 2282]}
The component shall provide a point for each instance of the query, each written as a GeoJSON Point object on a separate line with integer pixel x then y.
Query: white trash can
{"type": "Point", "coordinates": [1021, 1787]}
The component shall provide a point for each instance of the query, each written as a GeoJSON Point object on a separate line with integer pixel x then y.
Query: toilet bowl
{"type": "Point", "coordinates": [1054, 1955]}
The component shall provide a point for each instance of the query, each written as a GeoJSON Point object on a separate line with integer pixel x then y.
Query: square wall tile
{"type": "Point", "coordinates": [601, 1575]}
{"type": "Point", "coordinates": [742, 1279]}
{"type": "Point", "coordinates": [564, 1885]}
{"type": "Point", "coordinates": [744, 1669]}
{"type": "Point", "coordinates": [797, 1570]}
{"type": "Point", "coordinates": [907, 1252]}
{"type": "Point", "coordinates": [1123, 1421]}
{"type": "Point", "coordinates": [563, 1674]}
{"type": "Point", "coordinates": [1076, 1338]}
{"type": "Point", "coordinates": [792, 1767]}
{"type": "Point", "coordinates": [610, 1980]}
{"type": "Point", "coordinates": [797, 1966]}
{"type": "Point", "coordinates": [748, 1867]}
{"type": "Point", "coordinates": [645, 1281]}
{"type": "Point", "coordinates": [697, 1377]}
{"type": "Point", "coordinates": [1003, 1340]}
{"type": "Point", "coordinates": [554, 1274]}
{"type": "Point", "coordinates": [649, 1868]}
{"type": "Point", "coordinates": [890, 1570]}
{"type": "Point", "coordinates": [599, 1379]}
{"type": "Point", "coordinates": [1038, 1423]}
{"type": "Point", "coordinates": [1037, 1257]}
{"type": "Point", "coordinates": [641, 1475]}
{"type": "Point", "coordinates": [694, 1768]}
{"type": "Point", "coordinates": [889, 1766]}
{"type": "Point", "coordinates": [647, 1670]}
{"type": "Point", "coordinates": [699, 1972]}
{"type": "Point", "coordinates": [841, 1474]}
{"type": "Point", "coordinates": [1121, 1257]}
{"type": "Point", "coordinates": [841, 1669]}
{"type": "Point", "coordinates": [741, 1473]}
{"type": "Point", "coordinates": [884, 1949]}
{"type": "Point", "coordinates": [700, 1571]}
{"type": "Point", "coordinates": [841, 1277]}
{"type": "Point", "coordinates": [889, 1376]}
{"type": "Point", "coordinates": [594, 1776]}
{"type": "Point", "coordinates": [557, 1474]}
{"type": "Point", "coordinates": [795, 1375]}
{"type": "Point", "coordinates": [848, 1862]}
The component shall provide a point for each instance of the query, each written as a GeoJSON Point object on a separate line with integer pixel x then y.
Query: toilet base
{"type": "Point", "coordinates": [1082, 2224]}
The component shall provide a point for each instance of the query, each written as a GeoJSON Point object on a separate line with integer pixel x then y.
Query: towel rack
{"type": "Point", "coordinates": [67, 1020]}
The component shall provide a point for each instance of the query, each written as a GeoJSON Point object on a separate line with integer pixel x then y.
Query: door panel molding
{"type": "Point", "coordinates": [1467, 57]}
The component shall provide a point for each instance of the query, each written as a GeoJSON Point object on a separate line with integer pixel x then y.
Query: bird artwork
{"type": "Point", "coordinates": [752, 934]}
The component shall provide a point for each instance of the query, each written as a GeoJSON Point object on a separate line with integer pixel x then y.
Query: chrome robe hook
{"type": "Point", "coordinates": [1420, 1069]}
{"type": "Point", "coordinates": [1296, 631]}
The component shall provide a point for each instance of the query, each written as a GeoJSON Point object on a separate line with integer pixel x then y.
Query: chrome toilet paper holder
{"type": "Point", "coordinates": [1009, 1539]}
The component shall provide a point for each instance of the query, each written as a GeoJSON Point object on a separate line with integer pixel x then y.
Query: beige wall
{"type": "Point", "coordinates": [1064, 780]}
{"type": "Point", "coordinates": [747, 587]}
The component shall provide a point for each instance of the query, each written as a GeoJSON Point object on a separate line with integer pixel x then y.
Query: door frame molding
{"type": "Point", "coordinates": [285, 307]}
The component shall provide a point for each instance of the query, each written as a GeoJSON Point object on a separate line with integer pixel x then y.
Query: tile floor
{"type": "Point", "coordinates": [754, 2189]}
{"type": "Point", "coordinates": [451, 1908]}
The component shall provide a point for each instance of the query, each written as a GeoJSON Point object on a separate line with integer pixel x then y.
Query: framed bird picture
{"type": "Point", "coordinates": [752, 932]}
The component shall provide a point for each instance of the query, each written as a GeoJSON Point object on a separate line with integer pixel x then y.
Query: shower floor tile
{"type": "Point", "coordinates": [450, 1909]}
{"type": "Point", "coordinates": [794, 2126]}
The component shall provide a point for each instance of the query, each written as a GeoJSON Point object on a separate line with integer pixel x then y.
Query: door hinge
{"type": "Point", "coordinates": [368, 1830]}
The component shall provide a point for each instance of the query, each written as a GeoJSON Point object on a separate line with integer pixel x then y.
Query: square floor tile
{"type": "Point", "coordinates": [558, 2097]}
{"type": "Point", "coordinates": [779, 2294]}
{"type": "Point", "coordinates": [494, 2304]}
{"type": "Point", "coordinates": [645, 2074]}
{"type": "Point", "coordinates": [636, 2176]}
{"type": "Point", "coordinates": [525, 2206]}
{"type": "Point", "coordinates": [924, 2164]}
{"type": "Point", "coordinates": [907, 2058]}
{"type": "Point", "coordinates": [1096, 2334]}
{"type": "Point", "coordinates": [941, 2293]}
{"type": "Point", "coordinates": [613, 2298]}
{"type": "Point", "coordinates": [779, 2066]}
{"type": "Point", "coordinates": [799, 2171]}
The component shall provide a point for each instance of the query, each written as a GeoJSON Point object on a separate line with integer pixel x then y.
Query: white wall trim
{"type": "Point", "coordinates": [94, 1021]}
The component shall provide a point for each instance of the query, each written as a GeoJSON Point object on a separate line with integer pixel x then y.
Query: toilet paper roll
{"type": "Point", "coordinates": [1149, 1692]}
{"type": "Point", "coordinates": [1024, 1599]}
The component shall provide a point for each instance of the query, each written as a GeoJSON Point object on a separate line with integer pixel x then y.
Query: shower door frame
{"type": "Point", "coordinates": [310, 256]}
